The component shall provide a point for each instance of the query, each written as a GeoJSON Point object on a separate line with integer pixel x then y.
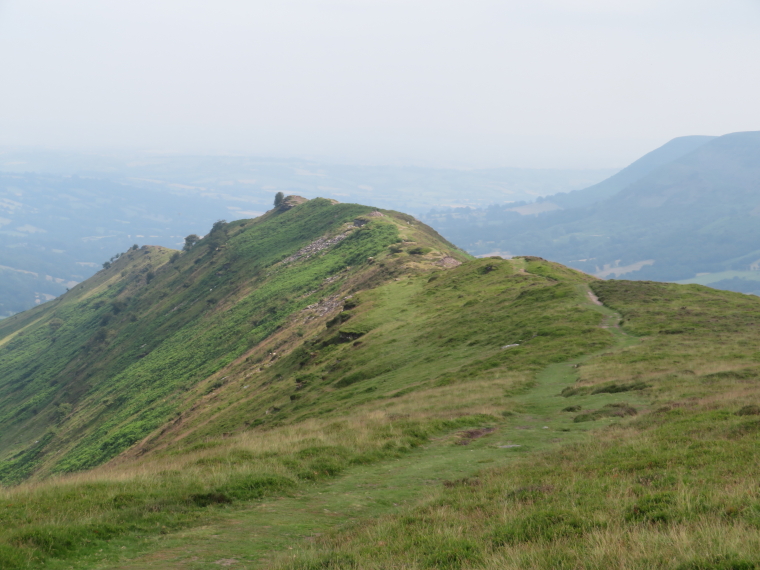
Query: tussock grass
{"type": "Point", "coordinates": [674, 487]}
{"type": "Point", "coordinates": [421, 361]}
{"type": "Point", "coordinates": [631, 499]}
{"type": "Point", "coordinates": [72, 515]}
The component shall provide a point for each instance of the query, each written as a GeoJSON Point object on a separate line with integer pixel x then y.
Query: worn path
{"type": "Point", "coordinates": [251, 537]}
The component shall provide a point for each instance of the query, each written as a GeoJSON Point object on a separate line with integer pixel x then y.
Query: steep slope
{"type": "Point", "coordinates": [359, 394]}
{"type": "Point", "coordinates": [670, 151]}
{"type": "Point", "coordinates": [439, 348]}
{"type": "Point", "coordinates": [89, 374]}
{"type": "Point", "coordinates": [696, 214]}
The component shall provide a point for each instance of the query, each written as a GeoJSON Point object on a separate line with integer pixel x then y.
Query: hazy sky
{"type": "Point", "coordinates": [548, 83]}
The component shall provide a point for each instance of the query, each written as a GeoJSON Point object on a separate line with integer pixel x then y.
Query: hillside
{"type": "Point", "coordinates": [670, 151]}
{"type": "Point", "coordinates": [334, 386]}
{"type": "Point", "coordinates": [111, 360]}
{"type": "Point", "coordinates": [696, 214]}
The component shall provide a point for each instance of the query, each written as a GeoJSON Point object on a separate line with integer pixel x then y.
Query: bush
{"type": "Point", "coordinates": [546, 525]}
{"type": "Point", "coordinates": [190, 241]}
{"type": "Point", "coordinates": [248, 487]}
{"type": "Point", "coordinates": [11, 558]}
{"type": "Point", "coordinates": [657, 508]}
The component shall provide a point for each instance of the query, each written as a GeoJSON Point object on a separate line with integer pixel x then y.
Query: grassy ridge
{"type": "Point", "coordinates": [109, 362]}
{"type": "Point", "coordinates": [673, 488]}
{"type": "Point", "coordinates": [315, 343]}
{"type": "Point", "coordinates": [349, 408]}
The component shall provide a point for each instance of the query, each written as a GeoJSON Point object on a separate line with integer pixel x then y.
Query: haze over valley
{"type": "Point", "coordinates": [58, 225]}
{"type": "Point", "coordinates": [379, 284]}
{"type": "Point", "coordinates": [687, 212]}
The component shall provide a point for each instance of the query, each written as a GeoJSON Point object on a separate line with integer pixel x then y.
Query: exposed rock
{"type": "Point", "coordinates": [316, 246]}
{"type": "Point", "coordinates": [292, 201]}
{"type": "Point", "coordinates": [325, 306]}
{"type": "Point", "coordinates": [448, 262]}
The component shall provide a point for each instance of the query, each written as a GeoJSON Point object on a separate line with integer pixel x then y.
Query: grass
{"type": "Point", "coordinates": [385, 414]}
{"type": "Point", "coordinates": [672, 488]}
{"type": "Point", "coordinates": [401, 416]}
{"type": "Point", "coordinates": [123, 353]}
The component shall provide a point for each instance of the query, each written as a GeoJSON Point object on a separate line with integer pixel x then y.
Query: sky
{"type": "Point", "coordinates": [462, 83]}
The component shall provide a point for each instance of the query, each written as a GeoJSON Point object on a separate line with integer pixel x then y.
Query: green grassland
{"type": "Point", "coordinates": [329, 387]}
{"type": "Point", "coordinates": [97, 370]}
{"type": "Point", "coordinates": [673, 487]}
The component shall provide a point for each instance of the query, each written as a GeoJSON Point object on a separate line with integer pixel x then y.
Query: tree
{"type": "Point", "coordinates": [217, 236]}
{"type": "Point", "coordinates": [190, 241]}
{"type": "Point", "coordinates": [279, 199]}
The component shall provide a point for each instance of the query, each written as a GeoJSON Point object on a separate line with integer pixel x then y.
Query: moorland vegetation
{"type": "Point", "coordinates": [333, 386]}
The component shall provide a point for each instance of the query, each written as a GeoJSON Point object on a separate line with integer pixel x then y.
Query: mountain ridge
{"type": "Point", "coordinates": [670, 151]}
{"type": "Point", "coordinates": [334, 386]}
{"type": "Point", "coordinates": [135, 324]}
{"type": "Point", "coordinates": [695, 214]}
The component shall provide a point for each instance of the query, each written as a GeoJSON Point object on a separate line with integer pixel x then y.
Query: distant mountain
{"type": "Point", "coordinates": [698, 213]}
{"type": "Point", "coordinates": [607, 188]}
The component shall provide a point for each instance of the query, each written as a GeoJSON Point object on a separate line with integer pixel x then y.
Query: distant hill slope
{"type": "Point", "coordinates": [668, 152]}
{"type": "Point", "coordinates": [698, 213]}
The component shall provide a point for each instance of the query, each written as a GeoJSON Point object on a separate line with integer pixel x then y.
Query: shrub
{"type": "Point", "coordinates": [657, 508]}
{"type": "Point", "coordinates": [548, 525]}
{"type": "Point", "coordinates": [190, 241]}
{"type": "Point", "coordinates": [749, 410]}
{"type": "Point", "coordinates": [246, 487]}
